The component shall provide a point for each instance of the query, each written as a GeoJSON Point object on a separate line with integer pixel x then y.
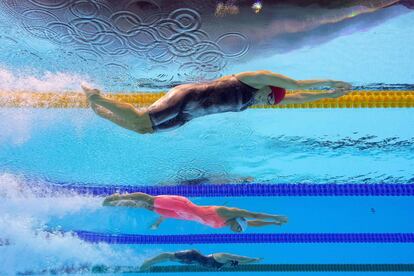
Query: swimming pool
{"type": "Point", "coordinates": [269, 146]}
{"type": "Point", "coordinates": [321, 158]}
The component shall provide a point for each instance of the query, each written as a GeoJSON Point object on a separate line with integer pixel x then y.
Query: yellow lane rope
{"type": "Point", "coordinates": [356, 99]}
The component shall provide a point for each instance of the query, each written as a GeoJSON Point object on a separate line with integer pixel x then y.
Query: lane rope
{"type": "Point", "coordinates": [356, 99]}
{"type": "Point", "coordinates": [101, 269]}
{"type": "Point", "coordinates": [235, 190]}
{"type": "Point", "coordinates": [94, 237]}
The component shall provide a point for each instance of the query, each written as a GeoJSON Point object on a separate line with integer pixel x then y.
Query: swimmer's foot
{"type": "Point", "coordinates": [90, 92]}
{"type": "Point", "coordinates": [281, 220]}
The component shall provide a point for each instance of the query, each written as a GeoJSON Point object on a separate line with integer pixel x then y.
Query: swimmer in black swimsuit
{"type": "Point", "coordinates": [213, 261]}
{"type": "Point", "coordinates": [230, 93]}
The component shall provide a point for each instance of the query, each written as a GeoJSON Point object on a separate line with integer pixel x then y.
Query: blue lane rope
{"type": "Point", "coordinates": [235, 190]}
{"type": "Point", "coordinates": [101, 269]}
{"type": "Point", "coordinates": [93, 237]}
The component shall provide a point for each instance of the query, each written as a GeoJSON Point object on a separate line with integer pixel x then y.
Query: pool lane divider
{"type": "Point", "coordinates": [102, 269]}
{"type": "Point", "coordinates": [355, 99]}
{"type": "Point", "coordinates": [237, 190]}
{"type": "Point", "coordinates": [93, 237]}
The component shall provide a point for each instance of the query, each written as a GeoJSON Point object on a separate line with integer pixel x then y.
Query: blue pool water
{"type": "Point", "coordinates": [288, 146]}
{"type": "Point", "coordinates": [268, 146]}
{"type": "Point", "coordinates": [75, 146]}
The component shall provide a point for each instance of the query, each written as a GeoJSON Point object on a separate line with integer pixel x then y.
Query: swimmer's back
{"type": "Point", "coordinates": [195, 257]}
{"type": "Point", "coordinates": [189, 101]}
{"type": "Point", "coordinates": [179, 207]}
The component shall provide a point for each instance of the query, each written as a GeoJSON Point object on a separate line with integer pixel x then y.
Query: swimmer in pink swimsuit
{"type": "Point", "coordinates": [179, 207]}
{"type": "Point", "coordinates": [233, 93]}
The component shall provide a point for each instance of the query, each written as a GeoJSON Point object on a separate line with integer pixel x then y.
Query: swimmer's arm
{"type": "Point", "coordinates": [288, 83]}
{"type": "Point", "coordinates": [258, 223]}
{"type": "Point", "coordinates": [240, 213]}
{"type": "Point", "coordinates": [163, 257]}
{"type": "Point", "coordinates": [157, 223]}
{"type": "Point", "coordinates": [262, 78]}
{"type": "Point", "coordinates": [306, 97]}
{"type": "Point", "coordinates": [279, 80]}
{"type": "Point", "coordinates": [306, 84]}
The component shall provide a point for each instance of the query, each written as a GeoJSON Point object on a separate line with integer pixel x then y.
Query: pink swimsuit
{"type": "Point", "coordinates": [179, 207]}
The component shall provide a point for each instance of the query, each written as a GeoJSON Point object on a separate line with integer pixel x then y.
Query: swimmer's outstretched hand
{"type": "Point", "coordinates": [341, 88]}
{"type": "Point", "coordinates": [339, 92]}
{"type": "Point", "coordinates": [341, 85]}
{"type": "Point", "coordinates": [89, 91]}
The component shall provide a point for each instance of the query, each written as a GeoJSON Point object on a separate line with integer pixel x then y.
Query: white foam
{"type": "Point", "coordinates": [16, 128]}
{"type": "Point", "coordinates": [15, 81]}
{"type": "Point", "coordinates": [17, 125]}
{"type": "Point", "coordinates": [23, 217]}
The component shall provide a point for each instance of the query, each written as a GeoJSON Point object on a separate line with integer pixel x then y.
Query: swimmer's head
{"type": "Point", "coordinates": [237, 225]}
{"type": "Point", "coordinates": [276, 95]}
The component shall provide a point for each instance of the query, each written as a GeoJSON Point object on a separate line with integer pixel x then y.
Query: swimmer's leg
{"type": "Point", "coordinates": [163, 257]}
{"type": "Point", "coordinates": [124, 110]}
{"type": "Point", "coordinates": [103, 113]}
{"type": "Point", "coordinates": [125, 115]}
{"type": "Point", "coordinates": [227, 258]}
{"type": "Point", "coordinates": [259, 223]}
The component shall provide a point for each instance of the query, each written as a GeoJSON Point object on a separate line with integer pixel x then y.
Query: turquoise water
{"type": "Point", "coordinates": [72, 145]}
{"type": "Point", "coordinates": [287, 146]}
{"type": "Point", "coordinates": [263, 146]}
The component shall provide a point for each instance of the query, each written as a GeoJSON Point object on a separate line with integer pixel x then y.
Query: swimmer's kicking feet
{"type": "Point", "coordinates": [230, 93]}
{"type": "Point", "coordinates": [212, 261]}
{"type": "Point", "coordinates": [178, 207]}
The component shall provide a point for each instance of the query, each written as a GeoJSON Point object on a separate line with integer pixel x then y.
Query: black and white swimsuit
{"type": "Point", "coordinates": [188, 101]}
{"type": "Point", "coordinates": [195, 257]}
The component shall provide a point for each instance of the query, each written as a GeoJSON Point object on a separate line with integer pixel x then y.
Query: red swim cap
{"type": "Point", "coordinates": [278, 94]}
